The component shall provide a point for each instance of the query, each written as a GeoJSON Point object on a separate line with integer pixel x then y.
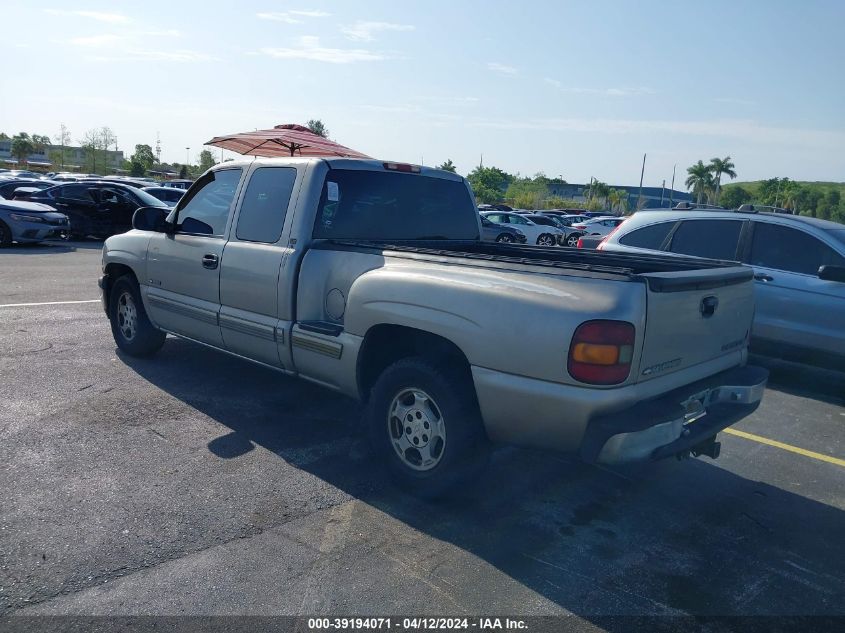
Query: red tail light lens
{"type": "Point", "coordinates": [601, 352]}
{"type": "Point", "coordinates": [403, 167]}
{"type": "Point", "coordinates": [580, 243]}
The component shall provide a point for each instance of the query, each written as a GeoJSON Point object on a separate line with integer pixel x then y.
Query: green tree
{"type": "Point", "coordinates": [63, 139]}
{"type": "Point", "coordinates": [144, 157]}
{"type": "Point", "coordinates": [734, 196]}
{"type": "Point", "coordinates": [528, 193]}
{"type": "Point", "coordinates": [448, 166]}
{"type": "Point", "coordinates": [700, 180]}
{"type": "Point", "coordinates": [56, 159]}
{"type": "Point", "coordinates": [833, 197]}
{"type": "Point", "coordinates": [489, 183]}
{"type": "Point", "coordinates": [318, 127]}
{"type": "Point", "coordinates": [598, 190]}
{"type": "Point", "coordinates": [206, 161]}
{"type": "Point", "coordinates": [90, 143]}
{"type": "Point", "coordinates": [22, 147]}
{"type": "Point", "coordinates": [719, 167]}
{"type": "Point", "coordinates": [4, 136]}
{"type": "Point", "coordinates": [183, 172]}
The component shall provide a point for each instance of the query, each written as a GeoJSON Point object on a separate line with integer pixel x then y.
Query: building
{"type": "Point", "coordinates": [652, 196]}
{"type": "Point", "coordinates": [75, 159]}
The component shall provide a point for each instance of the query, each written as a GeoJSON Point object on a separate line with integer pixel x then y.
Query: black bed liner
{"type": "Point", "coordinates": [629, 265]}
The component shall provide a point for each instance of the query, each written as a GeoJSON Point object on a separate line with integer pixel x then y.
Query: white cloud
{"type": "Point", "coordinates": [94, 41]}
{"type": "Point", "coordinates": [164, 33]}
{"type": "Point", "coordinates": [552, 82]}
{"type": "Point", "coordinates": [734, 101]}
{"type": "Point", "coordinates": [141, 55]}
{"type": "Point", "coordinates": [363, 31]}
{"type": "Point", "coordinates": [291, 17]}
{"type": "Point", "coordinates": [100, 16]}
{"type": "Point", "coordinates": [502, 68]}
{"type": "Point", "coordinates": [609, 92]}
{"type": "Point", "coordinates": [745, 130]}
{"type": "Point", "coordinates": [309, 48]}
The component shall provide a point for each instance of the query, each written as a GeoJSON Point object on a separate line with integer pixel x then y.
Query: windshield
{"type": "Point", "coordinates": [373, 205]}
{"type": "Point", "coordinates": [146, 199]}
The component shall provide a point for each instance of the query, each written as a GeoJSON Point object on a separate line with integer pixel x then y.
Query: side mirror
{"type": "Point", "coordinates": [150, 219]}
{"type": "Point", "coordinates": [832, 273]}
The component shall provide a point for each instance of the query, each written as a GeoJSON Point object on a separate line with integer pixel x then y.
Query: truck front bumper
{"type": "Point", "coordinates": [683, 421]}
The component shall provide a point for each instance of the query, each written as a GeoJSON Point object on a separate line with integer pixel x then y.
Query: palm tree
{"type": "Point", "coordinates": [721, 166]}
{"type": "Point", "coordinates": [448, 166]}
{"type": "Point", "coordinates": [700, 180]}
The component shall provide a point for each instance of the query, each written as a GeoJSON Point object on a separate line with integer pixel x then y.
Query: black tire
{"type": "Point", "coordinates": [145, 338]}
{"type": "Point", "coordinates": [505, 238]}
{"type": "Point", "coordinates": [5, 235]}
{"type": "Point", "coordinates": [572, 239]}
{"type": "Point", "coordinates": [547, 238]}
{"type": "Point", "coordinates": [464, 449]}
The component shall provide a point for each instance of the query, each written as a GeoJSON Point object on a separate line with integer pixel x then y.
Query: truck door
{"type": "Point", "coordinates": [249, 272]}
{"type": "Point", "coordinates": [183, 269]}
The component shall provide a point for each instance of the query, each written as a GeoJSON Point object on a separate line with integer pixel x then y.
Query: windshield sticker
{"type": "Point", "coordinates": [333, 191]}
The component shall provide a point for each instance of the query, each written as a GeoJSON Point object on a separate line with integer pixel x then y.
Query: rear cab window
{"type": "Point", "coordinates": [715, 239]}
{"type": "Point", "coordinates": [373, 205]}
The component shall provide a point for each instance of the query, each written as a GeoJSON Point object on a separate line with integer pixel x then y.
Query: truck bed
{"type": "Point", "coordinates": [661, 272]}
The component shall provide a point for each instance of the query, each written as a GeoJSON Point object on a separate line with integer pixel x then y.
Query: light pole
{"type": "Point", "coordinates": [187, 156]}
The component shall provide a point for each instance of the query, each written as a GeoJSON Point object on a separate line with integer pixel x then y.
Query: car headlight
{"type": "Point", "coordinates": [518, 232]}
{"type": "Point", "coordinates": [26, 218]}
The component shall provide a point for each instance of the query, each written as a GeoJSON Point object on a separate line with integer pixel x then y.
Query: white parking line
{"type": "Point", "coordinates": [46, 303]}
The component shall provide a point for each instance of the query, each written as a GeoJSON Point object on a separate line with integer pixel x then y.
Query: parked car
{"type": "Point", "coordinates": [178, 184]}
{"type": "Point", "coordinates": [22, 173]}
{"type": "Point", "coordinates": [799, 271]}
{"type": "Point", "coordinates": [29, 222]}
{"type": "Point", "coordinates": [597, 226]}
{"type": "Point", "coordinates": [539, 234]}
{"type": "Point", "coordinates": [8, 186]}
{"type": "Point", "coordinates": [168, 195]}
{"type": "Point", "coordinates": [502, 233]}
{"type": "Point", "coordinates": [97, 208]}
{"type": "Point", "coordinates": [589, 242]}
{"type": "Point", "coordinates": [327, 269]}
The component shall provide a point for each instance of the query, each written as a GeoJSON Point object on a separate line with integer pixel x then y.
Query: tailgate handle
{"type": "Point", "coordinates": [708, 306]}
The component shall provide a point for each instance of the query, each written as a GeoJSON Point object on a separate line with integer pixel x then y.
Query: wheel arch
{"type": "Point", "coordinates": [385, 343]}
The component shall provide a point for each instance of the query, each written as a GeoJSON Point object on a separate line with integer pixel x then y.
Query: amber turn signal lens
{"type": "Point", "coordinates": [595, 354]}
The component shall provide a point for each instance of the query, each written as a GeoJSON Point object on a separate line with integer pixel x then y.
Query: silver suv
{"type": "Point", "coordinates": [799, 271]}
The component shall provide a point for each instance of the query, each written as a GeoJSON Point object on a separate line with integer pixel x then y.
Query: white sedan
{"type": "Point", "coordinates": [598, 226]}
{"type": "Point", "coordinates": [535, 233]}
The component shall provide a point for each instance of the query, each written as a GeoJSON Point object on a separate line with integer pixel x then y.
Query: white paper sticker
{"type": "Point", "coordinates": [333, 191]}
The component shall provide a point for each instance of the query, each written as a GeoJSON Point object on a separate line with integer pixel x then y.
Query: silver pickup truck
{"type": "Point", "coordinates": [370, 278]}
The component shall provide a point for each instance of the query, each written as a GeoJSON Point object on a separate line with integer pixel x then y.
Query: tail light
{"type": "Point", "coordinates": [601, 352]}
{"type": "Point", "coordinates": [580, 243]}
{"type": "Point", "coordinates": [403, 167]}
{"type": "Point", "coordinates": [580, 227]}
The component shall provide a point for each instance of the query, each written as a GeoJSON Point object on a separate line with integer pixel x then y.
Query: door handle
{"type": "Point", "coordinates": [210, 261]}
{"type": "Point", "coordinates": [763, 277]}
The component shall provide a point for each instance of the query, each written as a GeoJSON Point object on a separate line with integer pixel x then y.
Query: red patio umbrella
{"type": "Point", "coordinates": [283, 140]}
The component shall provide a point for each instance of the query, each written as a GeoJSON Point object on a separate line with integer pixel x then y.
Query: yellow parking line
{"type": "Point", "coordinates": [787, 447]}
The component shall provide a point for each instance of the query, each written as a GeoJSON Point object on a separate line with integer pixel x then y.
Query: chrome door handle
{"type": "Point", "coordinates": [763, 277]}
{"type": "Point", "coordinates": [210, 261]}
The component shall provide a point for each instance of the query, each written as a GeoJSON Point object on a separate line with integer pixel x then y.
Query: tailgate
{"type": "Point", "coordinates": [694, 316]}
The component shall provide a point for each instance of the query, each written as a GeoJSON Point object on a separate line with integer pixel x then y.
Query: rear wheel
{"type": "Point", "coordinates": [572, 239]}
{"type": "Point", "coordinates": [5, 235]}
{"type": "Point", "coordinates": [424, 422]}
{"type": "Point", "coordinates": [132, 330]}
{"type": "Point", "coordinates": [505, 238]}
{"type": "Point", "coordinates": [546, 240]}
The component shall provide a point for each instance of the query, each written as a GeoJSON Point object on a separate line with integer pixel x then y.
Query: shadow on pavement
{"type": "Point", "coordinates": [807, 381]}
{"type": "Point", "coordinates": [671, 537]}
{"type": "Point", "coordinates": [49, 248]}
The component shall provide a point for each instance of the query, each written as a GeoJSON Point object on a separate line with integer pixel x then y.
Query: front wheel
{"type": "Point", "coordinates": [546, 240]}
{"type": "Point", "coordinates": [132, 330]}
{"type": "Point", "coordinates": [505, 238]}
{"type": "Point", "coordinates": [424, 422]}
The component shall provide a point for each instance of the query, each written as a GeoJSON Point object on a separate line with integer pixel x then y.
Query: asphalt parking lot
{"type": "Point", "coordinates": [196, 483]}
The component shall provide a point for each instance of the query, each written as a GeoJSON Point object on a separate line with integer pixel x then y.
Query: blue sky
{"type": "Point", "coordinates": [577, 89]}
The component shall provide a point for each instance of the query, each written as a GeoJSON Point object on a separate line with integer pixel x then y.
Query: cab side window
{"type": "Point", "coordinates": [265, 204]}
{"type": "Point", "coordinates": [205, 208]}
{"type": "Point", "coordinates": [784, 248]}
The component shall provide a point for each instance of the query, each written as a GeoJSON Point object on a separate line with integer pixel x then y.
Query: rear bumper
{"type": "Point", "coordinates": [684, 420]}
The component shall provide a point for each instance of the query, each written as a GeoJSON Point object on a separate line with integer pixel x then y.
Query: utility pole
{"type": "Point", "coordinates": [672, 190]}
{"type": "Point", "coordinates": [642, 173]}
{"type": "Point", "coordinates": [662, 191]}
{"type": "Point", "coordinates": [158, 148]}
